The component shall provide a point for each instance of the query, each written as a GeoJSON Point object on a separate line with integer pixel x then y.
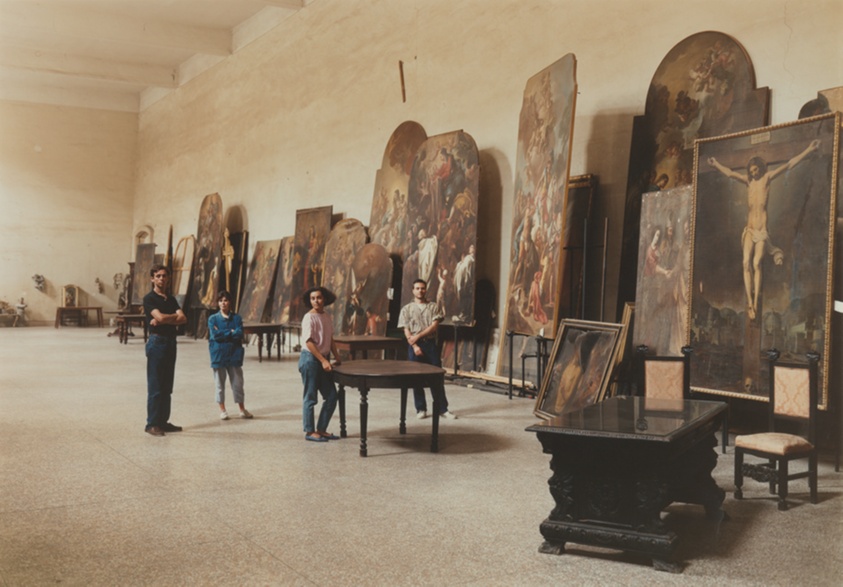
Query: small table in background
{"type": "Point", "coordinates": [63, 311]}
{"type": "Point", "coordinates": [353, 343]}
{"type": "Point", "coordinates": [375, 374]}
{"type": "Point", "coordinates": [270, 331]}
{"type": "Point", "coordinates": [124, 326]}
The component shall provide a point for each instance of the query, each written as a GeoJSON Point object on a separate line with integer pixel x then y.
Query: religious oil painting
{"type": "Point", "coordinates": [664, 256]}
{"type": "Point", "coordinates": [704, 87]}
{"type": "Point", "coordinates": [144, 260]}
{"type": "Point", "coordinates": [532, 294]}
{"type": "Point", "coordinates": [236, 266]}
{"type": "Point", "coordinates": [366, 306]}
{"type": "Point", "coordinates": [389, 221]}
{"type": "Point", "coordinates": [208, 254]}
{"type": "Point", "coordinates": [580, 366]}
{"type": "Point", "coordinates": [313, 225]}
{"type": "Point", "coordinates": [443, 198]}
{"type": "Point", "coordinates": [182, 263]}
{"type": "Point", "coordinates": [763, 234]}
{"type": "Point", "coordinates": [541, 176]}
{"type": "Point", "coordinates": [345, 241]}
{"type": "Point", "coordinates": [283, 282]}
{"type": "Point", "coordinates": [253, 305]}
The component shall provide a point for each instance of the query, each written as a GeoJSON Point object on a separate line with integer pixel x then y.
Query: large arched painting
{"type": "Point", "coordinates": [443, 195]}
{"type": "Point", "coordinates": [704, 87]}
{"type": "Point", "coordinates": [208, 253]}
{"type": "Point", "coordinates": [388, 223]}
{"type": "Point", "coordinates": [283, 282]}
{"type": "Point", "coordinates": [345, 241]}
{"type": "Point", "coordinates": [367, 304]}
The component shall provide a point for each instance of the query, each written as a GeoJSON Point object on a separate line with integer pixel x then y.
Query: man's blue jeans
{"type": "Point", "coordinates": [315, 378]}
{"type": "Point", "coordinates": [160, 373]}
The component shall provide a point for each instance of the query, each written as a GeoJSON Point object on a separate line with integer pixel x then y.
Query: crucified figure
{"type": "Point", "coordinates": [755, 241]}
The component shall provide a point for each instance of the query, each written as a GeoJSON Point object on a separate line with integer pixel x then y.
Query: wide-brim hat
{"type": "Point", "coordinates": [329, 296]}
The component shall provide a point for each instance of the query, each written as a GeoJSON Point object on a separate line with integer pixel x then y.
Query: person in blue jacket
{"type": "Point", "coordinates": [225, 342]}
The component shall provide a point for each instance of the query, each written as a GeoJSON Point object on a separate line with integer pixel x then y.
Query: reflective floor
{"type": "Point", "coordinates": [87, 498]}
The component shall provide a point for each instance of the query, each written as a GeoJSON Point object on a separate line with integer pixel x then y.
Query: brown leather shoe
{"type": "Point", "coordinates": [155, 431]}
{"type": "Point", "coordinates": [171, 428]}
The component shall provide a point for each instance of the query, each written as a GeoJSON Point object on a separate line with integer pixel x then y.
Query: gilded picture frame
{"type": "Point", "coordinates": [580, 366]}
{"type": "Point", "coordinates": [762, 260]}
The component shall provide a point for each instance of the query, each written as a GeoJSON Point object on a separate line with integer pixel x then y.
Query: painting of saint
{"type": "Point", "coordinates": [312, 228]}
{"type": "Point", "coordinates": [443, 198]}
{"type": "Point", "coordinates": [664, 255]}
{"type": "Point", "coordinates": [389, 220]}
{"type": "Point", "coordinates": [345, 241]}
{"type": "Point", "coordinates": [282, 291]}
{"type": "Point", "coordinates": [763, 242]}
{"type": "Point", "coordinates": [704, 87]}
{"type": "Point", "coordinates": [207, 261]}
{"type": "Point", "coordinates": [367, 303]}
{"type": "Point", "coordinates": [253, 305]}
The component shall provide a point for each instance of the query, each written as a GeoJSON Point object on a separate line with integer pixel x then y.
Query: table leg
{"type": "Point", "coordinates": [99, 317]}
{"type": "Point", "coordinates": [279, 342]}
{"type": "Point", "coordinates": [434, 442]}
{"type": "Point", "coordinates": [364, 418]}
{"type": "Point", "coordinates": [58, 317]}
{"type": "Point", "coordinates": [341, 401]}
{"type": "Point", "coordinates": [260, 348]}
{"type": "Point", "coordinates": [402, 423]}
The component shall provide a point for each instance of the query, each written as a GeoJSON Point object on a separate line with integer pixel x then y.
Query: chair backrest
{"type": "Point", "coordinates": [663, 377]}
{"type": "Point", "coordinates": [793, 390]}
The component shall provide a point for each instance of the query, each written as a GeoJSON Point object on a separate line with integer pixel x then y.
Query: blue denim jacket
{"type": "Point", "coordinates": [225, 340]}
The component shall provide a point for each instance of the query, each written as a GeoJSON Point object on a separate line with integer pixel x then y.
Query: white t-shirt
{"type": "Point", "coordinates": [320, 328]}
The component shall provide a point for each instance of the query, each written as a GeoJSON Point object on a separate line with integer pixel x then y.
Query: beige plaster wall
{"type": "Point", "coordinates": [66, 188]}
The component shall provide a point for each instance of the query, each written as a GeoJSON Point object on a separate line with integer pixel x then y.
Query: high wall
{"type": "Point", "coordinates": [66, 188]}
{"type": "Point", "coordinates": [300, 117]}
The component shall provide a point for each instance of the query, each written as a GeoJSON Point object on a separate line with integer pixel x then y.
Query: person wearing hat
{"type": "Point", "coordinates": [317, 330]}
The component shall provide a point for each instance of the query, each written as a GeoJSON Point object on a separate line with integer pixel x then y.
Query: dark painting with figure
{"type": "Point", "coordinates": [283, 289]}
{"type": "Point", "coordinates": [762, 261]}
{"type": "Point", "coordinates": [207, 259]}
{"type": "Point", "coordinates": [313, 225]}
{"type": "Point", "coordinates": [388, 224]}
{"type": "Point", "coordinates": [443, 197]}
{"type": "Point", "coordinates": [664, 257]}
{"type": "Point", "coordinates": [345, 241]}
{"type": "Point", "coordinates": [545, 130]}
{"type": "Point", "coordinates": [704, 87]}
{"type": "Point", "coordinates": [366, 306]}
{"type": "Point", "coordinates": [254, 303]}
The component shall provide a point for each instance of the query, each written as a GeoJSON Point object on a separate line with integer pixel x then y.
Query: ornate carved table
{"type": "Point", "coordinates": [617, 464]}
{"type": "Point", "coordinates": [376, 374]}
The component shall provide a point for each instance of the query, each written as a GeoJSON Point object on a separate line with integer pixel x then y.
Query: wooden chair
{"type": "Point", "coordinates": [793, 397]}
{"type": "Point", "coordinates": [663, 377]}
{"type": "Point", "coordinates": [669, 377]}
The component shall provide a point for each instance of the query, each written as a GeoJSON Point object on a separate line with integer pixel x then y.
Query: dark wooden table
{"type": "Point", "coordinates": [375, 374]}
{"type": "Point", "coordinates": [354, 343]}
{"type": "Point", "coordinates": [617, 464]}
{"type": "Point", "coordinates": [270, 331]}
{"type": "Point", "coordinates": [63, 311]}
{"type": "Point", "coordinates": [124, 326]}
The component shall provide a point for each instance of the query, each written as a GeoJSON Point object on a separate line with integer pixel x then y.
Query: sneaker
{"type": "Point", "coordinates": [246, 414]}
{"type": "Point", "coordinates": [448, 415]}
{"type": "Point", "coordinates": [223, 415]}
{"type": "Point", "coordinates": [421, 414]}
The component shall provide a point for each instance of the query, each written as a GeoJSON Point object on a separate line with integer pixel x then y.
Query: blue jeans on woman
{"type": "Point", "coordinates": [314, 378]}
{"type": "Point", "coordinates": [431, 357]}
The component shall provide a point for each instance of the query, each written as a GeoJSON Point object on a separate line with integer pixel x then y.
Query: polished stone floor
{"type": "Point", "coordinates": [86, 498]}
